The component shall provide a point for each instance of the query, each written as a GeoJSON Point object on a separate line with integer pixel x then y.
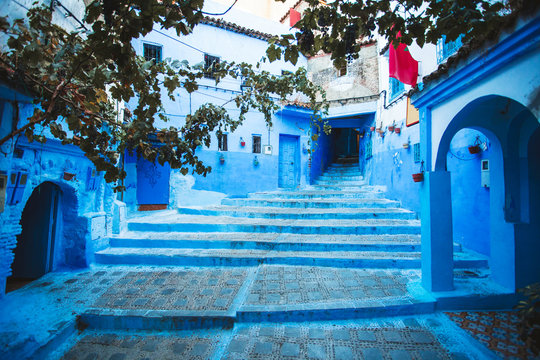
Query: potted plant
{"type": "Point", "coordinates": [475, 148]}
{"type": "Point", "coordinates": [68, 176]}
{"type": "Point", "coordinates": [419, 177]}
{"type": "Point", "coordinates": [406, 145]}
{"type": "Point", "coordinates": [397, 130]}
{"type": "Point", "coordinates": [372, 128]}
{"type": "Point", "coordinates": [221, 159]}
{"type": "Point", "coordinates": [391, 127]}
{"type": "Point", "coordinates": [255, 161]}
{"type": "Point", "coordinates": [242, 142]}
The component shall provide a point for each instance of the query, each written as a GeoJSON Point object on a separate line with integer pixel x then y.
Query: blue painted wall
{"type": "Point", "coordinates": [470, 201]}
{"type": "Point", "coordinates": [322, 155]}
{"type": "Point", "coordinates": [392, 166]}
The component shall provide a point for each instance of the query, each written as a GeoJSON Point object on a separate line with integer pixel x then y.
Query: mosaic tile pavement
{"type": "Point", "coordinates": [496, 330]}
{"type": "Point", "coordinates": [174, 290]}
{"type": "Point", "coordinates": [278, 285]}
{"type": "Point", "coordinates": [334, 342]}
{"type": "Point", "coordinates": [115, 347]}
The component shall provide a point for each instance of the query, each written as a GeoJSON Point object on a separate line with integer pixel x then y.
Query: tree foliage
{"type": "Point", "coordinates": [335, 27]}
{"type": "Point", "coordinates": [77, 76]}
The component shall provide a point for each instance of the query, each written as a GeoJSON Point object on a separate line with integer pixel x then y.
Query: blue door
{"type": "Point", "coordinates": [152, 183]}
{"type": "Point", "coordinates": [289, 169]}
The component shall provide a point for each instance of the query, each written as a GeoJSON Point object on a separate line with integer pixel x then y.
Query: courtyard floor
{"type": "Point", "coordinates": [264, 312]}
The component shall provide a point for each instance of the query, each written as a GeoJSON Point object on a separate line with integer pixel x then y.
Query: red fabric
{"type": "Point", "coordinates": [294, 17]}
{"type": "Point", "coordinates": [402, 65]}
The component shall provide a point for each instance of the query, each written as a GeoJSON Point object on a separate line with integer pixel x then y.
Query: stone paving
{"type": "Point", "coordinates": [207, 289]}
{"type": "Point", "coordinates": [32, 317]}
{"type": "Point", "coordinates": [299, 285]}
{"type": "Point", "coordinates": [428, 337]}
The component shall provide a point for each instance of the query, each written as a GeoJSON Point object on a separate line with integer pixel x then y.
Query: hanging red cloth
{"type": "Point", "coordinates": [402, 65]}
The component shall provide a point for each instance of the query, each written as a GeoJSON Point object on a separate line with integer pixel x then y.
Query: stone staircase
{"type": "Point", "coordinates": [339, 222]}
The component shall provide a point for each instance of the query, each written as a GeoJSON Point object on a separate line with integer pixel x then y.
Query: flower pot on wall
{"type": "Point", "coordinates": [68, 176]}
{"type": "Point", "coordinates": [372, 128]}
{"type": "Point", "coordinates": [397, 130]}
{"type": "Point", "coordinates": [474, 149]}
{"type": "Point", "coordinates": [418, 177]}
{"type": "Point", "coordinates": [391, 128]}
{"type": "Point", "coordinates": [406, 145]}
{"type": "Point", "coordinates": [221, 160]}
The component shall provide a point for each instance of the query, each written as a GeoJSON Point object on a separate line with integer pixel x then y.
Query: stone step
{"type": "Point", "coordinates": [340, 182]}
{"type": "Point", "coordinates": [338, 187]}
{"type": "Point", "coordinates": [292, 213]}
{"type": "Point", "coordinates": [279, 242]}
{"type": "Point", "coordinates": [338, 166]}
{"type": "Point", "coordinates": [195, 223]}
{"type": "Point", "coordinates": [317, 194]}
{"type": "Point", "coordinates": [307, 203]}
{"type": "Point", "coordinates": [341, 177]}
{"type": "Point", "coordinates": [349, 172]}
{"type": "Point", "coordinates": [270, 241]}
{"type": "Point", "coordinates": [240, 257]}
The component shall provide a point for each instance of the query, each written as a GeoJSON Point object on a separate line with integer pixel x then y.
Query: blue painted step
{"type": "Point", "coordinates": [235, 257]}
{"type": "Point", "coordinates": [290, 213]}
{"type": "Point", "coordinates": [315, 203]}
{"type": "Point", "coordinates": [228, 224]}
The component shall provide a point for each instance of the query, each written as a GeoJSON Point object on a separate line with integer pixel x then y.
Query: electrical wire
{"type": "Point", "coordinates": [178, 41]}
{"type": "Point", "coordinates": [220, 14]}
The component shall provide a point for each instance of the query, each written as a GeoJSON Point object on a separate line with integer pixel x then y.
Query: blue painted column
{"type": "Point", "coordinates": [436, 216]}
{"type": "Point", "coordinates": [437, 236]}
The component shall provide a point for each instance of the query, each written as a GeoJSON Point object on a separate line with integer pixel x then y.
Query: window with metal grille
{"type": "Point", "coordinates": [416, 152]}
{"type": "Point", "coordinates": [222, 142]}
{"type": "Point", "coordinates": [152, 52]}
{"type": "Point", "coordinates": [447, 48]}
{"type": "Point", "coordinates": [210, 63]}
{"type": "Point", "coordinates": [395, 88]}
{"type": "Point", "coordinates": [256, 144]}
{"type": "Point", "coordinates": [369, 149]}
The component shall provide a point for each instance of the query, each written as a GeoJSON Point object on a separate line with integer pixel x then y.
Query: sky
{"type": "Point", "coordinates": [269, 9]}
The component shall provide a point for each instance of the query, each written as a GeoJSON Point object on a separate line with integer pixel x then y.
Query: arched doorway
{"type": "Point", "coordinates": [514, 245]}
{"type": "Point", "coordinates": [468, 160]}
{"type": "Point", "coordinates": [34, 254]}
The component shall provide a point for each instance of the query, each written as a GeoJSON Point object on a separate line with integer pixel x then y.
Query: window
{"type": "Point", "coordinates": [446, 49]}
{"type": "Point", "coordinates": [416, 152]}
{"type": "Point", "coordinates": [152, 52]}
{"type": "Point", "coordinates": [210, 63]}
{"type": "Point", "coordinates": [256, 144]}
{"type": "Point", "coordinates": [222, 142]}
{"type": "Point", "coordinates": [395, 88]}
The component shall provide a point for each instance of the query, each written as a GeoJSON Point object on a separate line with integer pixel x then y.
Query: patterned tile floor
{"type": "Point", "coordinates": [174, 290]}
{"type": "Point", "coordinates": [497, 330]}
{"type": "Point", "coordinates": [278, 285]}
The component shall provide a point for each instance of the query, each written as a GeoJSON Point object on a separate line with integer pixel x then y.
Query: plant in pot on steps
{"type": "Point", "coordinates": [419, 177]}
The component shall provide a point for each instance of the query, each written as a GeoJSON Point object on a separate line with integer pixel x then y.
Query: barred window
{"type": "Point", "coordinates": [152, 52]}
{"type": "Point", "coordinates": [210, 63]}
{"type": "Point", "coordinates": [396, 87]}
{"type": "Point", "coordinates": [222, 142]}
{"type": "Point", "coordinates": [256, 144]}
{"type": "Point", "coordinates": [446, 49]}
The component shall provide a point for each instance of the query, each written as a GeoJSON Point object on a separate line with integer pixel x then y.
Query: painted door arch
{"type": "Point", "coordinates": [34, 254]}
{"type": "Point", "coordinates": [289, 161]}
{"type": "Point", "coordinates": [514, 245]}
